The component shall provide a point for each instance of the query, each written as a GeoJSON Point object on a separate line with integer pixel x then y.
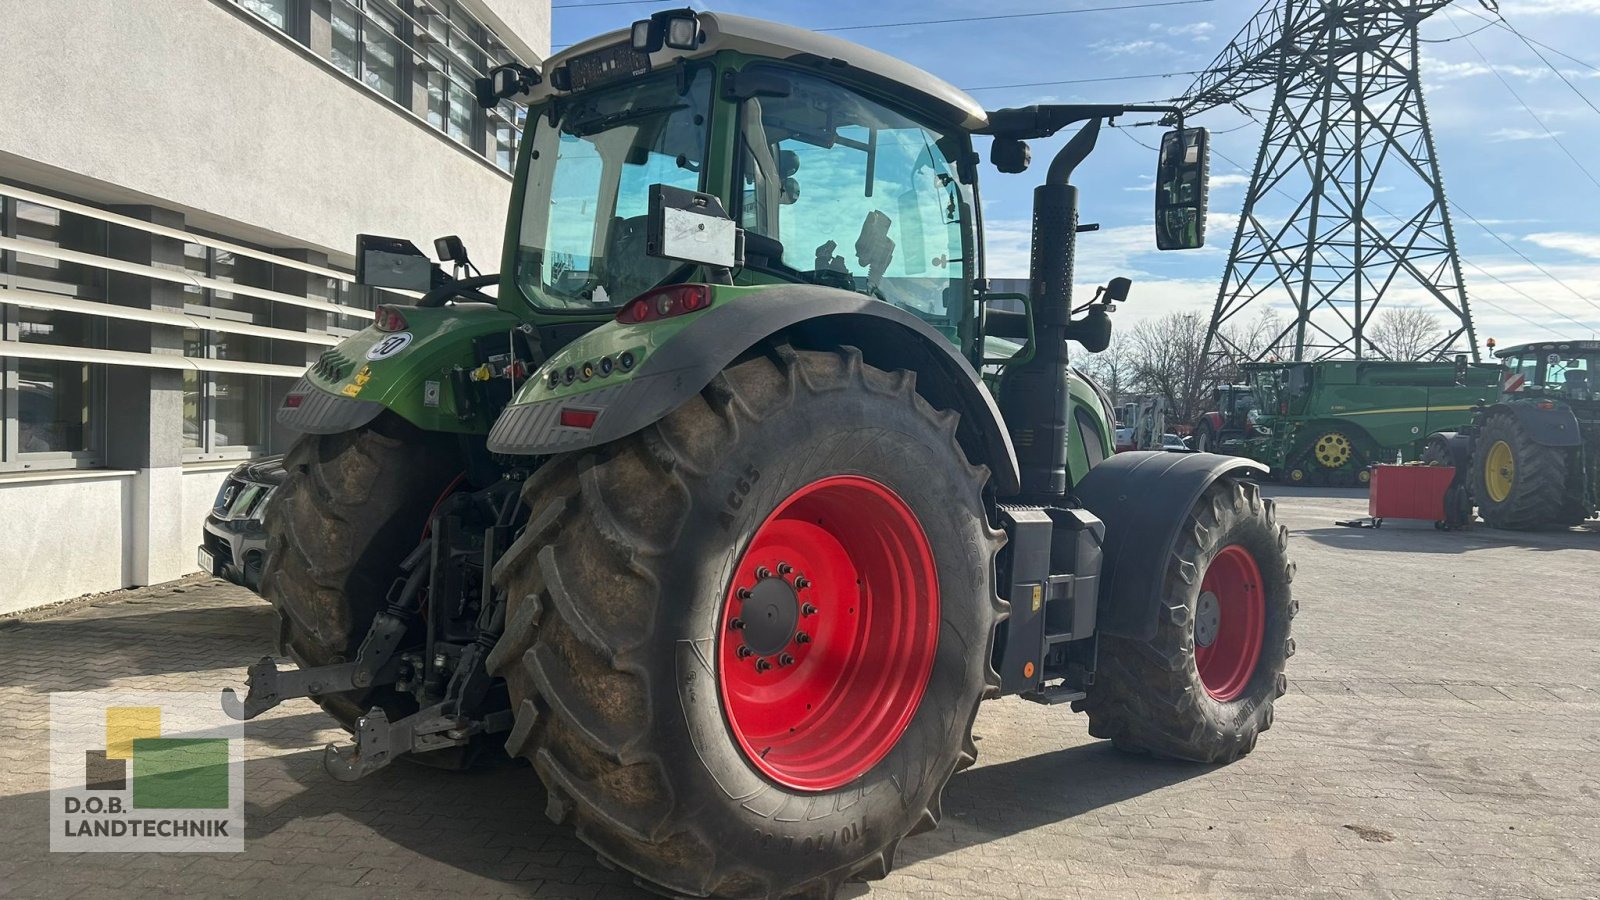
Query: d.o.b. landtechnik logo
{"type": "Point", "coordinates": [145, 772]}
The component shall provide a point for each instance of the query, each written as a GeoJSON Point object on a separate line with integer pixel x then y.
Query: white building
{"type": "Point", "coordinates": [180, 190]}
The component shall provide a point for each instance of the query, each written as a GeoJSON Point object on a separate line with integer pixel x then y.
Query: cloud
{"type": "Point", "coordinates": [1228, 180]}
{"type": "Point", "coordinates": [1569, 241]}
{"type": "Point", "coordinates": [1123, 48]}
{"type": "Point", "coordinates": [1522, 134]}
{"type": "Point", "coordinates": [1558, 7]}
{"type": "Point", "coordinates": [1438, 70]}
{"type": "Point", "coordinates": [1198, 32]}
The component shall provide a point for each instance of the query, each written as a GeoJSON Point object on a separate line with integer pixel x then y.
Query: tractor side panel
{"type": "Point", "coordinates": [1144, 497]}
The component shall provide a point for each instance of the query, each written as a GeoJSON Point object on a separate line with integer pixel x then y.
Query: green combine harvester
{"type": "Point", "coordinates": [1328, 422]}
{"type": "Point", "coordinates": [710, 514]}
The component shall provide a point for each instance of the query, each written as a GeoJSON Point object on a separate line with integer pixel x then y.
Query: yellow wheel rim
{"type": "Point", "coordinates": [1499, 471]}
{"type": "Point", "coordinates": [1332, 450]}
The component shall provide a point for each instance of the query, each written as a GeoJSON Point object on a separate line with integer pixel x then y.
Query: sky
{"type": "Point", "coordinates": [1516, 140]}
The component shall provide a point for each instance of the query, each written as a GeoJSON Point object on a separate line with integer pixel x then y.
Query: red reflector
{"type": "Point", "coordinates": [1546, 404]}
{"type": "Point", "coordinates": [293, 401]}
{"type": "Point", "coordinates": [388, 318]}
{"type": "Point", "coordinates": [571, 417]}
{"type": "Point", "coordinates": [664, 303]}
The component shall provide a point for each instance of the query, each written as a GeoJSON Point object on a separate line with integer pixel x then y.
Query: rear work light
{"type": "Point", "coordinates": [664, 303]}
{"type": "Point", "coordinates": [389, 318]}
{"type": "Point", "coordinates": [573, 417]}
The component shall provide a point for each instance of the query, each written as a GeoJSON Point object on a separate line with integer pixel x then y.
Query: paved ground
{"type": "Point", "coordinates": [1441, 737]}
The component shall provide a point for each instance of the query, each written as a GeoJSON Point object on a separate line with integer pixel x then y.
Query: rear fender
{"type": "Point", "coordinates": [1144, 497]}
{"type": "Point", "coordinates": [678, 357]}
{"type": "Point", "coordinates": [411, 372]}
{"type": "Point", "coordinates": [1557, 427]}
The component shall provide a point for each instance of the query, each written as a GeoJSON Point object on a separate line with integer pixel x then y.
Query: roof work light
{"type": "Point", "coordinates": [678, 29]}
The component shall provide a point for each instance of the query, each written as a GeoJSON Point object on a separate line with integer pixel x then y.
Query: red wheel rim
{"type": "Point", "coordinates": [1230, 620]}
{"type": "Point", "coordinates": [828, 633]}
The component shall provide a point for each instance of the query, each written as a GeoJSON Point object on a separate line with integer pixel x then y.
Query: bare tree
{"type": "Point", "coordinates": [1404, 332]}
{"type": "Point", "coordinates": [1113, 368]}
{"type": "Point", "coordinates": [1167, 357]}
{"type": "Point", "coordinates": [1244, 341]}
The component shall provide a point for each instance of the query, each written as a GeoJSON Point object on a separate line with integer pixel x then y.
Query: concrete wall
{"type": "Point", "coordinates": [68, 536]}
{"type": "Point", "coordinates": [190, 105]}
{"type": "Point", "coordinates": [524, 20]}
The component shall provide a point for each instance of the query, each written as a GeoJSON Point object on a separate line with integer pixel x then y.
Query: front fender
{"type": "Point", "coordinates": [678, 357]}
{"type": "Point", "coordinates": [1144, 497]}
{"type": "Point", "coordinates": [1557, 427]}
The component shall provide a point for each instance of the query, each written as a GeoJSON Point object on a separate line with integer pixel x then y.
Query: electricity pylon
{"type": "Point", "coordinates": [1346, 211]}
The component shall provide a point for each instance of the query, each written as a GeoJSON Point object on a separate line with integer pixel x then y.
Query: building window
{"type": "Point", "coordinates": [51, 410]}
{"type": "Point", "coordinates": [368, 44]}
{"type": "Point", "coordinates": [223, 411]}
{"type": "Point", "coordinates": [275, 12]}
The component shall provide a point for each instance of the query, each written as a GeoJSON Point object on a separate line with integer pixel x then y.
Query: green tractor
{"type": "Point", "coordinates": [714, 516]}
{"type": "Point", "coordinates": [1531, 459]}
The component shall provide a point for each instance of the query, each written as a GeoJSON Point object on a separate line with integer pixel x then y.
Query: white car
{"type": "Point", "coordinates": [1173, 442]}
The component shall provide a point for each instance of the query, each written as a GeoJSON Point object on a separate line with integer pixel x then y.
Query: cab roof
{"type": "Point", "coordinates": [758, 37]}
{"type": "Point", "coordinates": [1550, 347]}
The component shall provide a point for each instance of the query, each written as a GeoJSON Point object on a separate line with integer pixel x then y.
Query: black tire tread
{"type": "Point", "coordinates": [584, 720]}
{"type": "Point", "coordinates": [1539, 494]}
{"type": "Point", "coordinates": [1145, 697]}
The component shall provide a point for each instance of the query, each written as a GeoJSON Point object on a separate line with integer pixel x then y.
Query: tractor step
{"type": "Point", "coordinates": [1050, 695]}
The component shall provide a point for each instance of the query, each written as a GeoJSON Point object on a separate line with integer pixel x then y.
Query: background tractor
{"type": "Point", "coordinates": [1531, 459]}
{"type": "Point", "coordinates": [723, 514]}
{"type": "Point", "coordinates": [1230, 421]}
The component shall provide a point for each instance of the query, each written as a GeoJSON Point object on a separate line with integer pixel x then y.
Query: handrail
{"type": "Point", "coordinates": [62, 353]}
{"type": "Point", "coordinates": [27, 299]}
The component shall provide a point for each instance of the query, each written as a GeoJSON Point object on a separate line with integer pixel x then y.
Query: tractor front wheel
{"type": "Point", "coordinates": [1202, 688]}
{"type": "Point", "coordinates": [745, 646]}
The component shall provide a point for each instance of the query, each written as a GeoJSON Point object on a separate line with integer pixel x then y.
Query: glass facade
{"type": "Point", "coordinates": [422, 54]}
{"type": "Point", "coordinates": [52, 409]}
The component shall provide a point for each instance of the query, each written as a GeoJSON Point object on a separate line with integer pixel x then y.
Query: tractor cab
{"type": "Point", "coordinates": [1568, 370]}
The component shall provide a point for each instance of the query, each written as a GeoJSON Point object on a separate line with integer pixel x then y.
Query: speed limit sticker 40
{"type": "Point", "coordinates": [389, 346]}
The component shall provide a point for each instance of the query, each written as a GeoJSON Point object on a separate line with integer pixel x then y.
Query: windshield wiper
{"type": "Point", "coordinates": [586, 127]}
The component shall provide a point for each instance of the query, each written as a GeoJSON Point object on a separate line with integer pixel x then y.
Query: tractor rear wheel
{"type": "Point", "coordinates": [1519, 484]}
{"type": "Point", "coordinates": [1203, 687]}
{"type": "Point", "coordinates": [351, 506]}
{"type": "Point", "coordinates": [745, 646]}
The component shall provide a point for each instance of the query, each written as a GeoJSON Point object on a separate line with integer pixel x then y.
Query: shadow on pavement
{"type": "Point", "coordinates": [124, 643]}
{"type": "Point", "coordinates": [1420, 537]}
{"type": "Point", "coordinates": [994, 802]}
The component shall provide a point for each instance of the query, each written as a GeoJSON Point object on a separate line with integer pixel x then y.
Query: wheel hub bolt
{"type": "Point", "coordinates": [802, 638]}
{"type": "Point", "coordinates": [802, 583]}
{"type": "Point", "coordinates": [736, 624]}
{"type": "Point", "coordinates": [762, 665]}
{"type": "Point", "coordinates": [743, 651]}
{"type": "Point", "coordinates": [785, 659]}
{"type": "Point", "coordinates": [784, 568]}
{"type": "Point", "coordinates": [742, 593]}
{"type": "Point", "coordinates": [807, 609]}
{"type": "Point", "coordinates": [763, 572]}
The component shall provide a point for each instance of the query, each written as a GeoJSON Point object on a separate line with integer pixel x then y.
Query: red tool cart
{"type": "Point", "coordinates": [1413, 492]}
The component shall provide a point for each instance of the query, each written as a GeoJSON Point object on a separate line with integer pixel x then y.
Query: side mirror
{"type": "Point", "coordinates": [502, 82]}
{"type": "Point", "coordinates": [691, 227]}
{"type": "Point", "coordinates": [1181, 189]}
{"type": "Point", "coordinates": [1461, 368]}
{"type": "Point", "coordinates": [386, 262]}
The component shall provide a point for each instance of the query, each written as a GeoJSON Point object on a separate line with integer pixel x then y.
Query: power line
{"type": "Point", "coordinates": [1561, 53]}
{"type": "Point", "coordinates": [1503, 242]}
{"type": "Point", "coordinates": [1559, 74]}
{"type": "Point", "coordinates": [951, 21]}
{"type": "Point", "coordinates": [1030, 15]}
{"type": "Point", "coordinates": [1029, 84]}
{"type": "Point", "coordinates": [1528, 109]}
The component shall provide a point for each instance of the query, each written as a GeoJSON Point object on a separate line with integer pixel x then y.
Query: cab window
{"type": "Point", "coordinates": [855, 195]}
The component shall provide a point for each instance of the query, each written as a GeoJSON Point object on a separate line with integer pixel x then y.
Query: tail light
{"type": "Point", "coordinates": [389, 318]}
{"type": "Point", "coordinates": [574, 417]}
{"type": "Point", "coordinates": [1546, 404]}
{"type": "Point", "coordinates": [664, 303]}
